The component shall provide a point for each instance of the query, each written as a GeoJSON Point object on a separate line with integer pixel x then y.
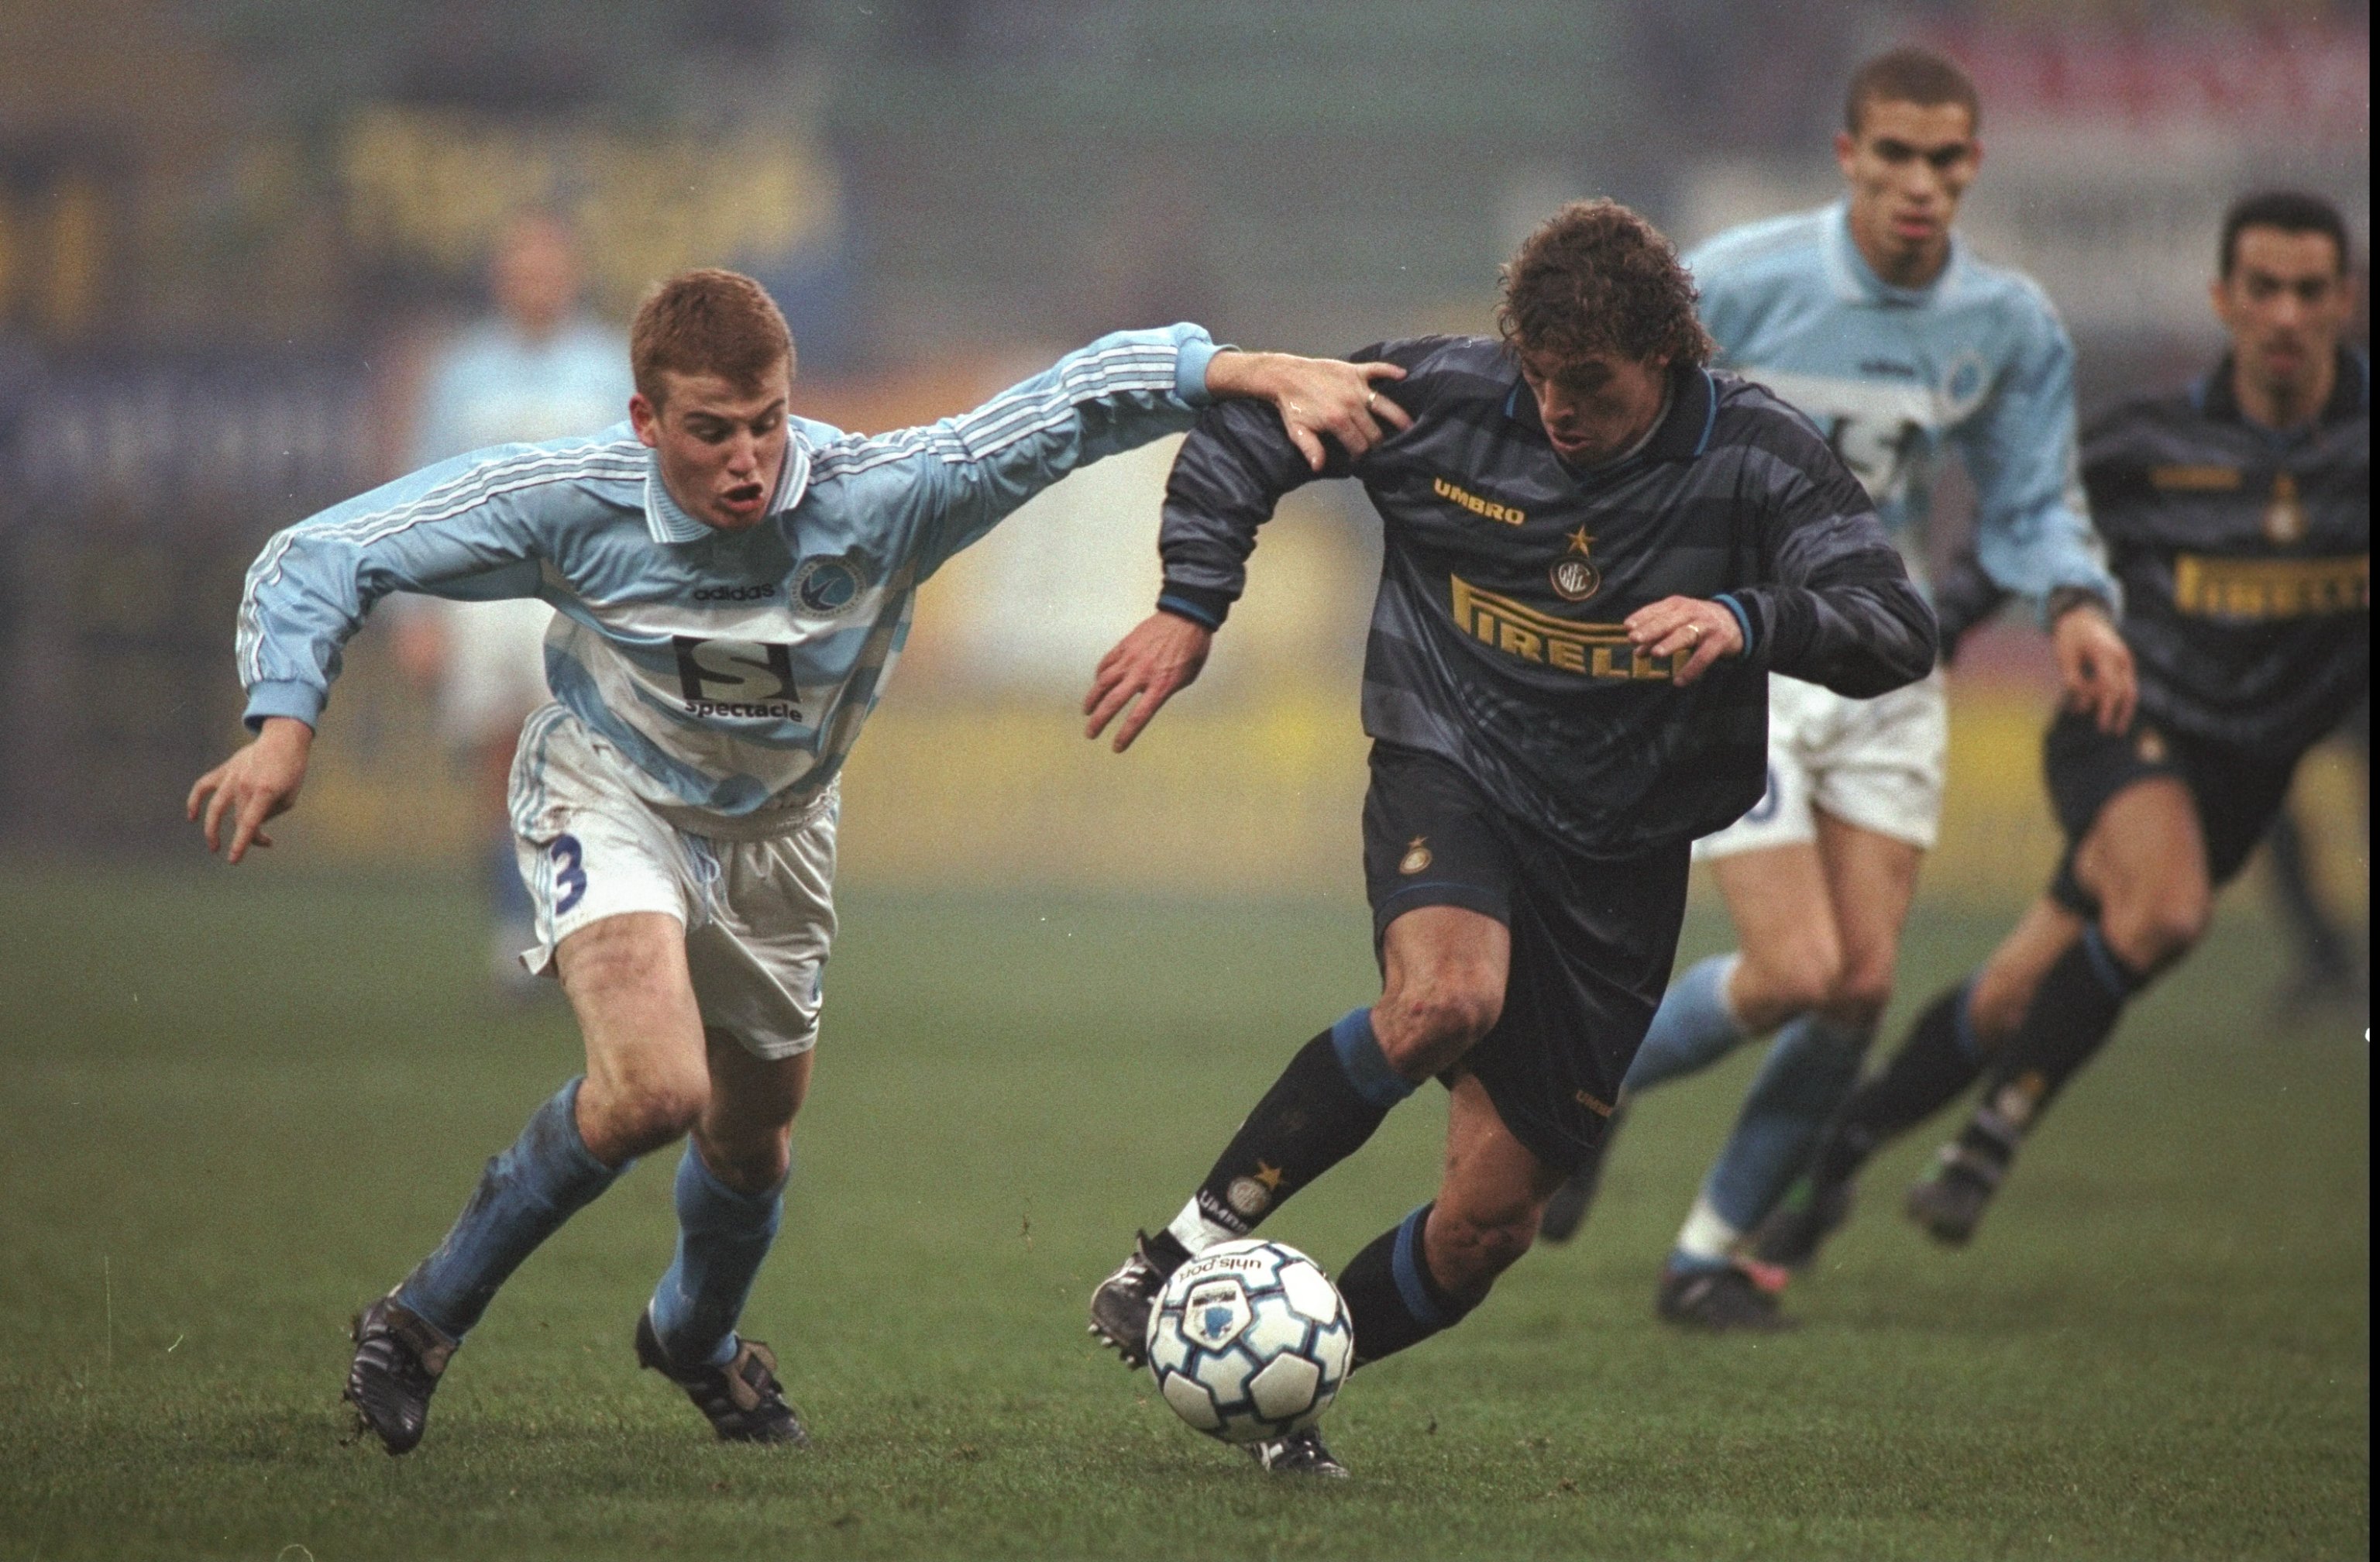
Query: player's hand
{"type": "Point", "coordinates": [254, 784]}
{"type": "Point", "coordinates": [1702, 631]}
{"type": "Point", "coordinates": [1157, 659]}
{"type": "Point", "coordinates": [2096, 666]}
{"type": "Point", "coordinates": [1316, 397]}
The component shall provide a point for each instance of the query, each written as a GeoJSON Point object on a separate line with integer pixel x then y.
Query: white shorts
{"type": "Point", "coordinates": [759, 914]}
{"type": "Point", "coordinates": [1873, 763]}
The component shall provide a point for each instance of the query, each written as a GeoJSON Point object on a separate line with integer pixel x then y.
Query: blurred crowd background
{"type": "Point", "coordinates": [256, 255]}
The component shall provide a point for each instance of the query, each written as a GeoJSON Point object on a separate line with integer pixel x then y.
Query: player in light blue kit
{"type": "Point", "coordinates": [731, 585]}
{"type": "Point", "coordinates": [537, 368]}
{"type": "Point", "coordinates": [1870, 317]}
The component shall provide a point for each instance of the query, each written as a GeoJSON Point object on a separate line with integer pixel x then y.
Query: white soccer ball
{"type": "Point", "coordinates": [1250, 1340]}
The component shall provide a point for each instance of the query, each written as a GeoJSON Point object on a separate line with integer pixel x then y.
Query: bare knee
{"type": "Point", "coordinates": [2154, 929]}
{"type": "Point", "coordinates": [1469, 1247]}
{"type": "Point", "coordinates": [637, 1106]}
{"type": "Point", "coordinates": [1861, 995]}
{"type": "Point", "coordinates": [1774, 984]}
{"type": "Point", "coordinates": [1427, 1023]}
{"type": "Point", "coordinates": [750, 1163]}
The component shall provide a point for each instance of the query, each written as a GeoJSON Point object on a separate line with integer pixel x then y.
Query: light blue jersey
{"type": "Point", "coordinates": [1978, 363]}
{"type": "Point", "coordinates": [732, 670]}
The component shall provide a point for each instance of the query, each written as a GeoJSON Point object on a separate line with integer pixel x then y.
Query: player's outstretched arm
{"type": "Point", "coordinates": [1160, 657]}
{"type": "Point", "coordinates": [256, 784]}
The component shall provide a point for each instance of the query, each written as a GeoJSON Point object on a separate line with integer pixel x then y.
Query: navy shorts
{"type": "Point", "coordinates": [1593, 942]}
{"type": "Point", "coordinates": [2237, 793]}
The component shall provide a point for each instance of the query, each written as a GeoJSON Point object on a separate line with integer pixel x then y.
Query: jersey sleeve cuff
{"type": "Point", "coordinates": [2062, 600]}
{"type": "Point", "coordinates": [1197, 350]}
{"type": "Point", "coordinates": [286, 696]}
{"type": "Point", "coordinates": [1202, 605]}
{"type": "Point", "coordinates": [1743, 619]}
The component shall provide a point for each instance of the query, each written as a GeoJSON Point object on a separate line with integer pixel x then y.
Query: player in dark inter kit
{"type": "Point", "coordinates": [1596, 550]}
{"type": "Point", "coordinates": [2238, 519]}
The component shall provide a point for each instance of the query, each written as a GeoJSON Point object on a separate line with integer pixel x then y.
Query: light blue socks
{"type": "Point", "coordinates": [721, 1236]}
{"type": "Point", "coordinates": [1694, 1028]}
{"type": "Point", "coordinates": [1808, 1074]}
{"type": "Point", "coordinates": [541, 1180]}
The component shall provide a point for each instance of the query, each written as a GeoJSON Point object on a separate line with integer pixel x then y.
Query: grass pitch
{"type": "Point", "coordinates": [231, 1106]}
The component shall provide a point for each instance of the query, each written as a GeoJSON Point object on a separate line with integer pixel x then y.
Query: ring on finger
{"type": "Point", "coordinates": [1693, 634]}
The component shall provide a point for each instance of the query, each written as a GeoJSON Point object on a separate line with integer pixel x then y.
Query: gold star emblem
{"type": "Point", "coordinates": [1579, 540]}
{"type": "Point", "coordinates": [1268, 1176]}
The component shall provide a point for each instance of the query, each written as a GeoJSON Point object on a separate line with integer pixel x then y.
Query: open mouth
{"type": "Point", "coordinates": [743, 496]}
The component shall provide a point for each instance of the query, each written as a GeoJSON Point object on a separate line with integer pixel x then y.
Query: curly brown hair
{"type": "Point", "coordinates": [708, 322]}
{"type": "Point", "coordinates": [1596, 278]}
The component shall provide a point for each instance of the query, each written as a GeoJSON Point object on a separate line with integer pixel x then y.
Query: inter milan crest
{"type": "Point", "coordinates": [1417, 857]}
{"type": "Point", "coordinates": [2285, 518]}
{"type": "Point", "coordinates": [1573, 576]}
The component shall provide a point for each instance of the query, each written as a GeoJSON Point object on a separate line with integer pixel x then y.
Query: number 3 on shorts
{"type": "Point", "coordinates": [570, 877]}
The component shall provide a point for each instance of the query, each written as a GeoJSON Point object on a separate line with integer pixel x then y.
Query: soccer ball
{"type": "Point", "coordinates": [1250, 1340]}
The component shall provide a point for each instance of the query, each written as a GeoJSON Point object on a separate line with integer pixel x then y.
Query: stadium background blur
{"type": "Point", "coordinates": [233, 232]}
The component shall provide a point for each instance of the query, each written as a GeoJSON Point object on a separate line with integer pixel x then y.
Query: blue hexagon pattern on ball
{"type": "Point", "coordinates": [1250, 1340]}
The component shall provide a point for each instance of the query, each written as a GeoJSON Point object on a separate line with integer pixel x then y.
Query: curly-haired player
{"type": "Point", "coordinates": [732, 584]}
{"type": "Point", "coordinates": [1596, 550]}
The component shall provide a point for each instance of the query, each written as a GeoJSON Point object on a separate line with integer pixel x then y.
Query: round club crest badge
{"type": "Point", "coordinates": [1575, 580]}
{"type": "Point", "coordinates": [828, 586]}
{"type": "Point", "coordinates": [1415, 858]}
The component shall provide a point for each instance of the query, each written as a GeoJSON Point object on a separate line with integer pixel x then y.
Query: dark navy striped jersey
{"type": "Point", "coordinates": [2245, 555]}
{"type": "Point", "coordinates": [1496, 640]}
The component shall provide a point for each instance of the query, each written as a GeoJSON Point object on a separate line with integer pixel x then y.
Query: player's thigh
{"type": "Point", "coordinates": [1871, 879]}
{"type": "Point", "coordinates": [2004, 987]}
{"type": "Point", "coordinates": [1449, 950]}
{"type": "Point", "coordinates": [625, 976]}
{"type": "Point", "coordinates": [2145, 860]}
{"type": "Point", "coordinates": [1489, 1196]}
{"type": "Point", "coordinates": [1784, 918]}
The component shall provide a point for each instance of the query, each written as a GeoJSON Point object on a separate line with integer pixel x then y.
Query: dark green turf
{"type": "Point", "coordinates": [234, 1105]}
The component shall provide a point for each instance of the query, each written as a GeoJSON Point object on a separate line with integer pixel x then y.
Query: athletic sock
{"type": "Point", "coordinates": [2072, 1014]}
{"type": "Point", "coordinates": [1392, 1299]}
{"type": "Point", "coordinates": [1695, 1027]}
{"type": "Point", "coordinates": [723, 1235]}
{"type": "Point", "coordinates": [541, 1179]}
{"type": "Point", "coordinates": [1801, 1085]}
{"type": "Point", "coordinates": [1935, 1064]}
{"type": "Point", "coordinates": [1706, 1241]}
{"type": "Point", "coordinates": [1327, 1103]}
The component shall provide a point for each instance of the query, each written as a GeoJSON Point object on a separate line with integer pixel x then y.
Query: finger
{"type": "Point", "coordinates": [215, 806]}
{"type": "Point", "coordinates": [1118, 696]}
{"type": "Point", "coordinates": [1696, 665]}
{"type": "Point", "coordinates": [1152, 699]}
{"type": "Point", "coordinates": [251, 818]}
{"type": "Point", "coordinates": [199, 791]}
{"type": "Point", "coordinates": [1385, 410]}
{"type": "Point", "coordinates": [1102, 681]}
{"type": "Point", "coordinates": [1307, 445]}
